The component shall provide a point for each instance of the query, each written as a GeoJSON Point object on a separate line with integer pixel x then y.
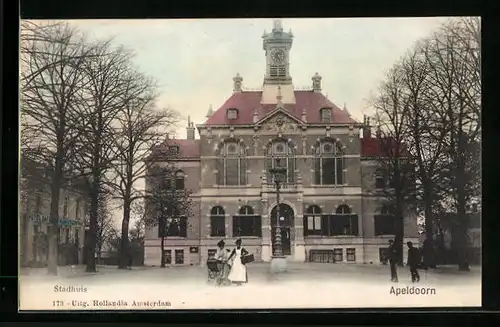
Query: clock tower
{"type": "Point", "coordinates": [277, 45]}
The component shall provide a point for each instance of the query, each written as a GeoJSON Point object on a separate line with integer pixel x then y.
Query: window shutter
{"type": "Point", "coordinates": [354, 225]}
{"type": "Point", "coordinates": [236, 226]}
{"type": "Point", "coordinates": [183, 227]}
{"type": "Point", "coordinates": [306, 226]}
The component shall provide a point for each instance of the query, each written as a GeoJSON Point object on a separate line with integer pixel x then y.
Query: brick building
{"type": "Point", "coordinates": [328, 209]}
{"type": "Point", "coordinates": [34, 213]}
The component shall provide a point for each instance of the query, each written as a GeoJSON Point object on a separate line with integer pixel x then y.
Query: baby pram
{"type": "Point", "coordinates": [215, 270]}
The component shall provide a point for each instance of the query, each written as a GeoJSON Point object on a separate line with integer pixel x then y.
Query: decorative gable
{"type": "Point", "coordinates": [280, 121]}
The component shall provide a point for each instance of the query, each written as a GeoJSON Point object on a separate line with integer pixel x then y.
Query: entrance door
{"type": "Point", "coordinates": [285, 225]}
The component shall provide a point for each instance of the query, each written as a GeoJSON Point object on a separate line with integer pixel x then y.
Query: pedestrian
{"type": "Point", "coordinates": [413, 262]}
{"type": "Point", "coordinates": [238, 273]}
{"type": "Point", "coordinates": [222, 256]}
{"type": "Point", "coordinates": [392, 254]}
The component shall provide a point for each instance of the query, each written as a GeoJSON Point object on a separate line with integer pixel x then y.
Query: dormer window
{"type": "Point", "coordinates": [173, 149]}
{"type": "Point", "coordinates": [232, 113]}
{"type": "Point", "coordinates": [326, 115]}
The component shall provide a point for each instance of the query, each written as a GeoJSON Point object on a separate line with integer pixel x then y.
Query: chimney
{"type": "Point", "coordinates": [367, 130]}
{"type": "Point", "coordinates": [190, 129]}
{"type": "Point", "coordinates": [304, 115]}
{"type": "Point", "coordinates": [255, 115]}
{"type": "Point", "coordinates": [210, 112]}
{"type": "Point", "coordinates": [316, 83]}
{"type": "Point", "coordinates": [237, 82]}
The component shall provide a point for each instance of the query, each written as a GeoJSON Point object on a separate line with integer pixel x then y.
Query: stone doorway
{"type": "Point", "coordinates": [285, 224]}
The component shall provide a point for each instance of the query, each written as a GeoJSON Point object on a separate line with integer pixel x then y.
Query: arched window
{"type": "Point", "coordinates": [312, 221]}
{"type": "Point", "coordinates": [247, 223]}
{"type": "Point", "coordinates": [232, 164]}
{"type": "Point", "coordinates": [179, 180]}
{"type": "Point", "coordinates": [384, 222]}
{"type": "Point", "coordinates": [343, 210]}
{"type": "Point", "coordinates": [343, 222]}
{"type": "Point", "coordinates": [328, 164]}
{"type": "Point", "coordinates": [217, 221]}
{"type": "Point", "coordinates": [281, 153]}
{"type": "Point", "coordinates": [246, 210]}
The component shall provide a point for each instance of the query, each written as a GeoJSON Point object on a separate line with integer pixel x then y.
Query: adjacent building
{"type": "Point", "coordinates": [34, 211]}
{"type": "Point", "coordinates": [329, 208]}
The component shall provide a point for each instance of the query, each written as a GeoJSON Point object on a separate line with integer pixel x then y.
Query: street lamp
{"type": "Point", "coordinates": [278, 261]}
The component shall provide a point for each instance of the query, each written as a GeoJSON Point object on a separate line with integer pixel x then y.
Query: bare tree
{"type": "Point", "coordinates": [108, 76]}
{"type": "Point", "coordinates": [139, 127]}
{"type": "Point", "coordinates": [454, 61]}
{"type": "Point", "coordinates": [105, 226]}
{"type": "Point", "coordinates": [51, 77]}
{"type": "Point", "coordinates": [168, 205]}
{"type": "Point", "coordinates": [393, 163]}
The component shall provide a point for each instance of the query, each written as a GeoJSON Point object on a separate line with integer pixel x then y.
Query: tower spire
{"type": "Point", "coordinates": [277, 25]}
{"type": "Point", "coordinates": [279, 97]}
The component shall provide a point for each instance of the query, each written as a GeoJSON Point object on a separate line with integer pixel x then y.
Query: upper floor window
{"type": "Point", "coordinates": [328, 164]}
{"type": "Point", "coordinates": [77, 208]}
{"type": "Point", "coordinates": [179, 180]}
{"type": "Point", "coordinates": [173, 149]}
{"type": "Point", "coordinates": [281, 153]}
{"type": "Point", "coordinates": [232, 113]}
{"type": "Point", "coordinates": [65, 207]}
{"type": "Point", "coordinates": [326, 115]}
{"type": "Point", "coordinates": [232, 164]}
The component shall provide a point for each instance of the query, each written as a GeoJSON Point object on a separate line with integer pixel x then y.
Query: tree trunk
{"type": "Point", "coordinates": [461, 185]}
{"type": "Point", "coordinates": [53, 227]}
{"type": "Point", "coordinates": [463, 262]}
{"type": "Point", "coordinates": [429, 253]}
{"type": "Point", "coordinates": [398, 238]}
{"type": "Point", "coordinates": [124, 242]}
{"type": "Point", "coordinates": [91, 241]}
{"type": "Point", "coordinates": [162, 245]}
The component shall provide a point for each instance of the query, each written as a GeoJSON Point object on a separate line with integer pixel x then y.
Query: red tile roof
{"type": "Point", "coordinates": [370, 147]}
{"type": "Point", "coordinates": [188, 149]}
{"type": "Point", "coordinates": [247, 101]}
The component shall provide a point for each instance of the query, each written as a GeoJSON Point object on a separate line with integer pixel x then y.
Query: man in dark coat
{"type": "Point", "coordinates": [413, 262]}
{"type": "Point", "coordinates": [392, 254]}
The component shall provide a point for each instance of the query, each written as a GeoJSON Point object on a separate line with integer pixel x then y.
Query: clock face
{"type": "Point", "coordinates": [278, 55]}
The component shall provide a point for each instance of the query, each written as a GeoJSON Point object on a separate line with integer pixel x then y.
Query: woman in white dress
{"type": "Point", "coordinates": [238, 273]}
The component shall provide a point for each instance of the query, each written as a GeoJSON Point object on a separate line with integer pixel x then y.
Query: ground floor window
{"type": "Point", "coordinates": [322, 256]}
{"type": "Point", "coordinates": [211, 253]}
{"type": "Point", "coordinates": [179, 257]}
{"type": "Point", "coordinates": [338, 255]}
{"type": "Point", "coordinates": [351, 254]}
{"type": "Point", "coordinates": [383, 254]}
{"type": "Point", "coordinates": [249, 225]}
{"type": "Point", "coordinates": [167, 254]}
{"type": "Point", "coordinates": [331, 225]}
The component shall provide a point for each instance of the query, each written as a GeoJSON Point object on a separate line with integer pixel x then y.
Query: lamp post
{"type": "Point", "coordinates": [278, 261]}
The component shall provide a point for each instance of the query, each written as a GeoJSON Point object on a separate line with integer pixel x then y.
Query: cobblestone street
{"type": "Point", "coordinates": [302, 286]}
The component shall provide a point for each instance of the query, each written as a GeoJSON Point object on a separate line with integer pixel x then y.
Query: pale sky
{"type": "Point", "coordinates": [194, 60]}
